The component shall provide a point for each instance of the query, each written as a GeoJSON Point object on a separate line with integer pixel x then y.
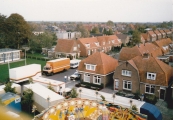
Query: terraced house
{"type": "Point", "coordinates": [166, 46]}
{"type": "Point", "coordinates": [127, 53]}
{"type": "Point", "coordinates": [88, 46]}
{"type": "Point", "coordinates": [152, 36]}
{"type": "Point", "coordinates": [98, 68]}
{"type": "Point", "coordinates": [146, 74]}
{"type": "Point", "coordinates": [67, 48]}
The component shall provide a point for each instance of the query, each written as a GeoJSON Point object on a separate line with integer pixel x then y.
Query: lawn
{"type": "Point", "coordinates": [4, 74]}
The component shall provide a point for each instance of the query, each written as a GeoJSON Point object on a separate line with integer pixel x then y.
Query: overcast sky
{"type": "Point", "coordinates": [90, 10]}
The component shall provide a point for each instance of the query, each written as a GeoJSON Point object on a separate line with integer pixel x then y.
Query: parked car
{"type": "Point", "coordinates": [75, 76]}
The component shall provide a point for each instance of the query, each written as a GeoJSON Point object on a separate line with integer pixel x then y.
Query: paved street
{"type": "Point", "coordinates": [60, 77]}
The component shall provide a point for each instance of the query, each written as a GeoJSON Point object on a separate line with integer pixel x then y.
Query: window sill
{"type": "Point", "coordinates": [127, 89]}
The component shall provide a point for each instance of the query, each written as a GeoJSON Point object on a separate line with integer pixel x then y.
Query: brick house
{"type": "Point", "coordinates": [124, 38]}
{"type": "Point", "coordinates": [67, 48]}
{"type": "Point", "coordinates": [145, 74]}
{"type": "Point", "coordinates": [97, 68]}
{"type": "Point", "coordinates": [162, 33]}
{"type": "Point", "coordinates": [88, 46]}
{"type": "Point", "coordinates": [158, 34]}
{"type": "Point", "coordinates": [146, 37]}
{"type": "Point", "coordinates": [166, 45]}
{"type": "Point", "coordinates": [152, 36]}
{"type": "Point", "coordinates": [168, 33]}
{"type": "Point", "coordinates": [127, 53]}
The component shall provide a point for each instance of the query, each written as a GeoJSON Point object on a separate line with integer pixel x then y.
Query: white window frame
{"type": "Point", "coordinates": [88, 77]}
{"type": "Point", "coordinates": [87, 45]}
{"type": "Point", "coordinates": [150, 86]}
{"type": "Point", "coordinates": [126, 73]}
{"type": "Point", "coordinates": [128, 83]}
{"type": "Point", "coordinates": [90, 67]}
{"type": "Point", "coordinates": [97, 79]}
{"type": "Point", "coordinates": [97, 43]}
{"type": "Point", "coordinates": [74, 48]}
{"type": "Point", "coordinates": [151, 76]}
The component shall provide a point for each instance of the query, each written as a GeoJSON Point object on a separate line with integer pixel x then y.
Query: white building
{"type": "Point", "coordinates": [7, 54]}
{"type": "Point", "coordinates": [68, 35]}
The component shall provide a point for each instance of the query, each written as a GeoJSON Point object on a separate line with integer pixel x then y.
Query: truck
{"type": "Point", "coordinates": [57, 65]}
{"type": "Point", "coordinates": [74, 63]}
{"type": "Point", "coordinates": [23, 73]}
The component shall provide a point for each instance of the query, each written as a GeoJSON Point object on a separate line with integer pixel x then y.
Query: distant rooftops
{"type": "Point", "coordinates": [2, 50]}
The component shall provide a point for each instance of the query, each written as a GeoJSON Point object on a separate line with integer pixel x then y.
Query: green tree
{"type": "Point", "coordinates": [95, 30]}
{"type": "Point", "coordinates": [84, 32]}
{"type": "Point", "coordinates": [73, 93]}
{"type": "Point", "coordinates": [50, 87]}
{"type": "Point", "coordinates": [8, 88]}
{"type": "Point", "coordinates": [3, 34]}
{"type": "Point", "coordinates": [18, 30]}
{"type": "Point", "coordinates": [136, 39]}
{"type": "Point", "coordinates": [27, 100]}
{"type": "Point", "coordinates": [110, 23]}
{"type": "Point", "coordinates": [110, 32]}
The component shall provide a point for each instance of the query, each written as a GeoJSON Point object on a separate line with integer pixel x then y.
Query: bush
{"type": "Point", "coordinates": [92, 85]}
{"type": "Point", "coordinates": [150, 98]}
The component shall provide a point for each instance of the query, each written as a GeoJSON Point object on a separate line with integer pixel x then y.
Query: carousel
{"type": "Point", "coordinates": [85, 109]}
{"type": "Point", "coordinates": [75, 109]}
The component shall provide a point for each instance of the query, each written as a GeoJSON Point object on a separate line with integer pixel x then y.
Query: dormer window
{"type": "Point", "coordinates": [97, 43]}
{"type": "Point", "coordinates": [87, 45]}
{"type": "Point", "coordinates": [103, 43]}
{"type": "Point", "coordinates": [112, 41]}
{"type": "Point", "coordinates": [126, 73]}
{"type": "Point", "coordinates": [151, 76]}
{"type": "Point", "coordinates": [74, 48]}
{"type": "Point", "coordinates": [90, 67]}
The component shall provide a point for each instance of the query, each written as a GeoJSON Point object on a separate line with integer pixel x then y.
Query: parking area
{"type": "Point", "coordinates": [60, 77]}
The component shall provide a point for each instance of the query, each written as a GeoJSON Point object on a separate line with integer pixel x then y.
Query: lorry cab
{"type": "Point", "coordinates": [74, 63]}
{"type": "Point", "coordinates": [47, 69]}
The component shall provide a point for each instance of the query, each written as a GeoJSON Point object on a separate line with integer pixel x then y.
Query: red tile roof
{"type": "Point", "coordinates": [162, 43]}
{"type": "Point", "coordinates": [164, 72]}
{"type": "Point", "coordinates": [65, 45]}
{"type": "Point", "coordinates": [129, 53]}
{"type": "Point", "coordinates": [104, 63]}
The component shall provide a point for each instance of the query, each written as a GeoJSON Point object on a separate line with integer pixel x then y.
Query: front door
{"type": "Point", "coordinates": [162, 94]}
{"type": "Point", "coordinates": [116, 84]}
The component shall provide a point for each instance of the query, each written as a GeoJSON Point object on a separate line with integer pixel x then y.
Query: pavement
{"type": "Point", "coordinates": [167, 113]}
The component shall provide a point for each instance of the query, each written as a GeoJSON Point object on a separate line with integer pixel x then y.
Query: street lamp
{"type": "Point", "coordinates": [96, 94]}
{"type": "Point", "coordinates": [26, 49]}
{"type": "Point", "coordinates": [113, 96]}
{"type": "Point", "coordinates": [80, 90]}
{"type": "Point", "coordinates": [48, 99]}
{"type": "Point", "coordinates": [131, 103]}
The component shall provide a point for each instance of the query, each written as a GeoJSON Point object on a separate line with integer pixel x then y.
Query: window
{"type": "Point", "coordinates": [149, 89]}
{"type": "Point", "coordinates": [97, 80]}
{"type": "Point", "coordinates": [151, 76]}
{"type": "Point", "coordinates": [103, 43]}
{"type": "Point", "coordinates": [126, 73]}
{"type": "Point", "coordinates": [112, 41]}
{"type": "Point", "coordinates": [74, 48]}
{"type": "Point", "coordinates": [86, 77]}
{"type": "Point", "coordinates": [97, 43]}
{"type": "Point", "coordinates": [78, 45]}
{"type": "Point", "coordinates": [90, 67]}
{"type": "Point", "coordinates": [127, 85]}
{"type": "Point", "coordinates": [87, 45]}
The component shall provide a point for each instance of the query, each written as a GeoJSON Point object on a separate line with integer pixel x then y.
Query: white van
{"type": "Point", "coordinates": [74, 63]}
